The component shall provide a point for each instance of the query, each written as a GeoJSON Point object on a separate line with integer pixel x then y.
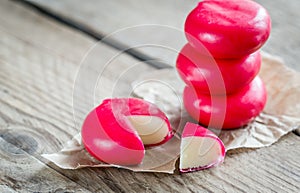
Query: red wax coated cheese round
{"type": "Point", "coordinates": [228, 28]}
{"type": "Point", "coordinates": [227, 112]}
{"type": "Point", "coordinates": [117, 130]}
{"type": "Point", "coordinates": [216, 76]}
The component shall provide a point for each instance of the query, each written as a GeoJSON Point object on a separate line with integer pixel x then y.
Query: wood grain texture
{"type": "Point", "coordinates": [36, 91]}
{"type": "Point", "coordinates": [20, 172]}
{"type": "Point", "coordinates": [37, 73]}
{"type": "Point", "coordinates": [106, 17]}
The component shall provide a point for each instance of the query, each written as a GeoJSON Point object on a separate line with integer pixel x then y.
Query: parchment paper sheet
{"type": "Point", "coordinates": [164, 88]}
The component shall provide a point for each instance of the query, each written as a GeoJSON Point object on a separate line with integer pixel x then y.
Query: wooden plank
{"type": "Point", "coordinates": [36, 90]}
{"type": "Point", "coordinates": [105, 17]}
{"type": "Point", "coordinates": [36, 117]}
{"type": "Point", "coordinates": [21, 172]}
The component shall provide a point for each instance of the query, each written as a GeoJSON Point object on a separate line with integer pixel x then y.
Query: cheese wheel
{"type": "Point", "coordinates": [227, 28]}
{"type": "Point", "coordinates": [227, 112]}
{"type": "Point", "coordinates": [216, 76]}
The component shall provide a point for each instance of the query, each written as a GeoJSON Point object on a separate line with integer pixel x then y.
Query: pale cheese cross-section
{"type": "Point", "coordinates": [199, 152]}
{"type": "Point", "coordinates": [151, 129]}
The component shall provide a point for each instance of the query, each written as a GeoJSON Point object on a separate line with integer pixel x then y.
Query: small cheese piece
{"type": "Point", "coordinates": [200, 149]}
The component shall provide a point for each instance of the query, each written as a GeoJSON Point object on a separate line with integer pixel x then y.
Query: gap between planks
{"type": "Point", "coordinates": [96, 35]}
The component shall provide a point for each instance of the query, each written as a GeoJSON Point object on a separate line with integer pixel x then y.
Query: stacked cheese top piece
{"type": "Point", "coordinates": [221, 61]}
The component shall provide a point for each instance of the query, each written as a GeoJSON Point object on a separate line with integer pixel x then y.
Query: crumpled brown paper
{"type": "Point", "coordinates": [164, 88]}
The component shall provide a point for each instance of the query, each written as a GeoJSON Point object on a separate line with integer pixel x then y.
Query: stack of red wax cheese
{"type": "Point", "coordinates": [221, 61]}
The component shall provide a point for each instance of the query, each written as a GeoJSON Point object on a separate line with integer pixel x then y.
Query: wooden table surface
{"type": "Point", "coordinates": [42, 44]}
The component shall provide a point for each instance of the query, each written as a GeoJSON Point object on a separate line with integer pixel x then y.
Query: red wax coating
{"type": "Point", "coordinates": [108, 135]}
{"type": "Point", "coordinates": [228, 28]}
{"type": "Point", "coordinates": [240, 108]}
{"type": "Point", "coordinates": [204, 73]}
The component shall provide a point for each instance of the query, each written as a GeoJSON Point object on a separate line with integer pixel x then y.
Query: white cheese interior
{"type": "Point", "coordinates": [198, 152]}
{"type": "Point", "coordinates": [151, 129]}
